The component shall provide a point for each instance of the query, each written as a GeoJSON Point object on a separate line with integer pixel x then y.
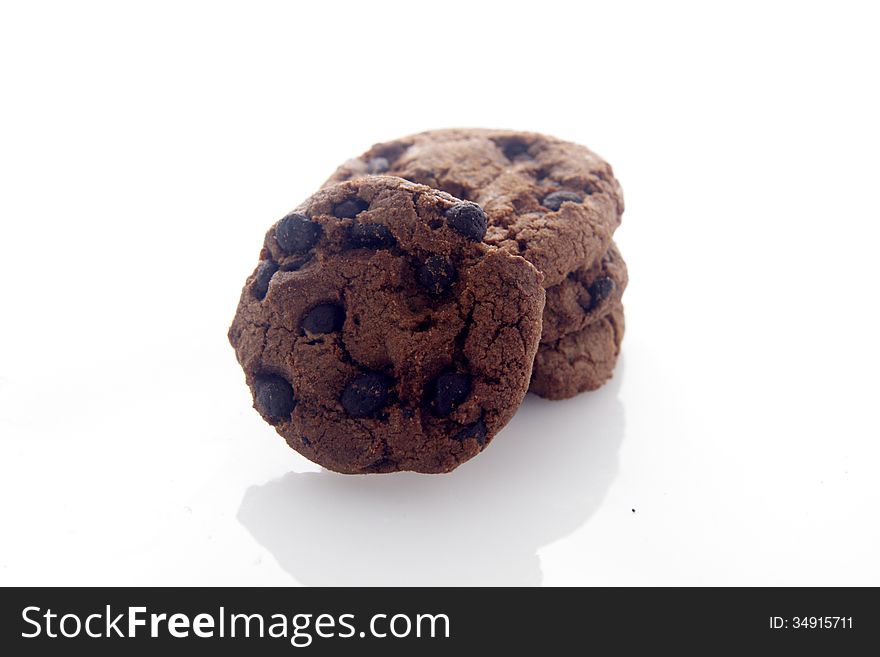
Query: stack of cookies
{"type": "Point", "coordinates": [399, 315]}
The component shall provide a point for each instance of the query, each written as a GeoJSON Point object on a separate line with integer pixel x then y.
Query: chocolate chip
{"type": "Point", "coordinates": [324, 318]}
{"type": "Point", "coordinates": [448, 391]}
{"type": "Point", "coordinates": [365, 394]}
{"type": "Point", "coordinates": [370, 236]}
{"type": "Point", "coordinates": [296, 233]}
{"type": "Point", "coordinates": [477, 431]}
{"type": "Point", "coordinates": [274, 396]}
{"type": "Point", "coordinates": [555, 200]}
{"type": "Point", "coordinates": [436, 275]}
{"type": "Point", "coordinates": [350, 208]}
{"type": "Point", "coordinates": [599, 290]}
{"type": "Point", "coordinates": [378, 165]}
{"type": "Point", "coordinates": [264, 274]}
{"type": "Point", "coordinates": [468, 219]}
{"type": "Point", "coordinates": [514, 149]}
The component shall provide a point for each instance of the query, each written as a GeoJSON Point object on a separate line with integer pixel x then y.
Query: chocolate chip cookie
{"type": "Point", "coordinates": [583, 327]}
{"type": "Point", "coordinates": [585, 296]}
{"type": "Point", "coordinates": [380, 333]}
{"type": "Point", "coordinates": [553, 202]}
{"type": "Point", "coordinates": [579, 361]}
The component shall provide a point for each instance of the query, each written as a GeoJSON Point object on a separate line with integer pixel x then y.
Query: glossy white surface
{"type": "Point", "coordinates": [146, 150]}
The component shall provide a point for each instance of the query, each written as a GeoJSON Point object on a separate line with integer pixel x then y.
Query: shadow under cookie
{"type": "Point", "coordinates": [482, 525]}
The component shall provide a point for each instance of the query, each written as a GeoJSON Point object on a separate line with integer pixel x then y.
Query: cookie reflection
{"type": "Point", "coordinates": [483, 524]}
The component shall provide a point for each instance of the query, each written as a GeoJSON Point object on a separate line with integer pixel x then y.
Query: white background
{"type": "Point", "coordinates": [146, 147]}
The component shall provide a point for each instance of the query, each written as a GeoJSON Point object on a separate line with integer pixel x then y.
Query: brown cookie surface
{"type": "Point", "coordinates": [579, 361]}
{"type": "Point", "coordinates": [587, 294]}
{"type": "Point", "coordinates": [553, 202]}
{"type": "Point", "coordinates": [379, 333]}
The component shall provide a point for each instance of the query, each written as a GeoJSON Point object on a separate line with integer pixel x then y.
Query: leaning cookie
{"type": "Point", "coordinates": [587, 294]}
{"type": "Point", "coordinates": [575, 354]}
{"type": "Point", "coordinates": [379, 333]}
{"type": "Point", "coordinates": [579, 361]}
{"type": "Point", "coordinates": [553, 202]}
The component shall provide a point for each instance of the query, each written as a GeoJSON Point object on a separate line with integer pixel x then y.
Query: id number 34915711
{"type": "Point", "coordinates": [811, 623]}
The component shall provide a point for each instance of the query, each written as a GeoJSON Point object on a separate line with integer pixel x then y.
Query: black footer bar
{"type": "Point", "coordinates": [436, 621]}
